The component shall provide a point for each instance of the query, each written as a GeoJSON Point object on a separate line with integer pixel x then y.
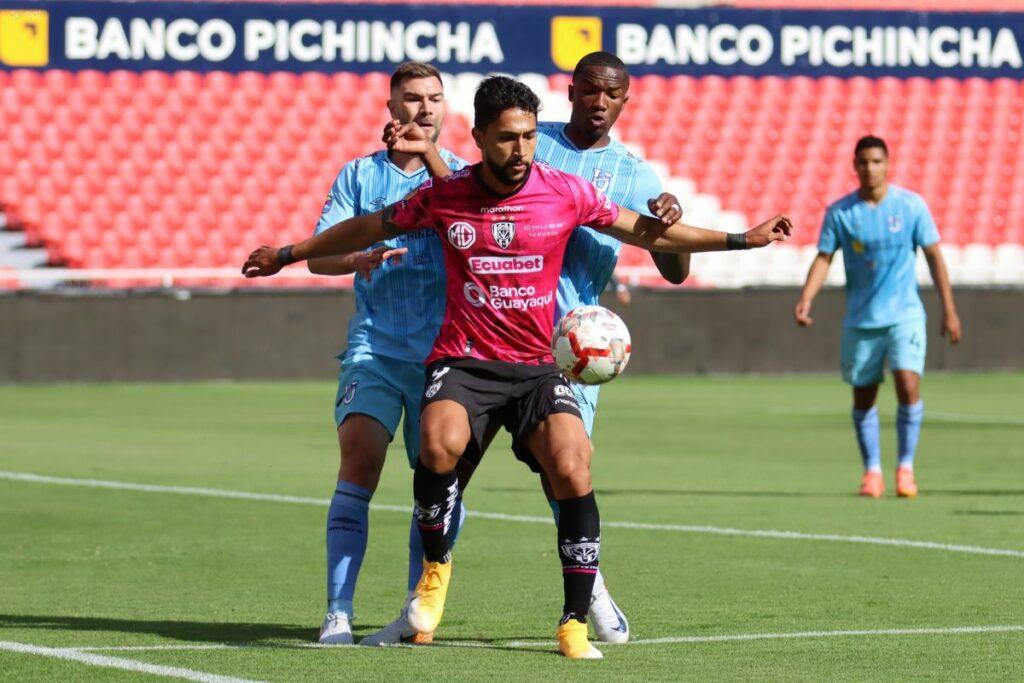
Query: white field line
{"type": "Point", "coordinates": [543, 644]}
{"type": "Point", "coordinates": [500, 516]}
{"type": "Point", "coordinates": [117, 663]}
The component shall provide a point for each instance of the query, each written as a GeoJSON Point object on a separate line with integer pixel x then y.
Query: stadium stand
{"type": "Point", "coordinates": [166, 170]}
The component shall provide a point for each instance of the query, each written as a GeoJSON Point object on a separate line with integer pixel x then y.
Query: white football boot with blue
{"type": "Point", "coordinates": [336, 629]}
{"type": "Point", "coordinates": [610, 624]}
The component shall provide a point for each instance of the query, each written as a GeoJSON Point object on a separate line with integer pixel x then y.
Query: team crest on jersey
{"type": "Point", "coordinates": [895, 223]}
{"type": "Point", "coordinates": [350, 392]}
{"type": "Point", "coordinates": [503, 232]}
{"type": "Point", "coordinates": [602, 180]}
{"type": "Point", "coordinates": [377, 204]}
{"type": "Point", "coordinates": [461, 235]}
{"type": "Point", "coordinates": [584, 551]}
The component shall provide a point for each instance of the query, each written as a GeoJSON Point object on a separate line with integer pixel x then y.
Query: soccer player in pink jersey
{"type": "Point", "coordinates": [504, 224]}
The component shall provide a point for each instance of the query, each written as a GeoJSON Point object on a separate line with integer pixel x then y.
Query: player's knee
{"type": "Point", "coordinates": [440, 451]}
{"type": "Point", "coordinates": [570, 468]}
{"type": "Point", "coordinates": [362, 458]}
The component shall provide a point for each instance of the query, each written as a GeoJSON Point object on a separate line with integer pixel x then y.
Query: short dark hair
{"type": "Point", "coordinates": [868, 142]}
{"type": "Point", "coordinates": [413, 70]}
{"type": "Point", "coordinates": [496, 94]}
{"type": "Point", "coordinates": [599, 59]}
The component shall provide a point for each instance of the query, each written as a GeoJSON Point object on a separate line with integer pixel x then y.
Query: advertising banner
{"type": "Point", "coordinates": [206, 36]}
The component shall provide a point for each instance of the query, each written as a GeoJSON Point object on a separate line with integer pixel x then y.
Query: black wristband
{"type": "Point", "coordinates": [284, 255]}
{"type": "Point", "coordinates": [736, 240]}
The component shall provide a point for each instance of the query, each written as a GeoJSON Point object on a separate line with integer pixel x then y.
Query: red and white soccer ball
{"type": "Point", "coordinates": [591, 345]}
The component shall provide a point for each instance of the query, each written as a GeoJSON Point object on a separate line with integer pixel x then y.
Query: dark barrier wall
{"type": "Point", "coordinates": [279, 334]}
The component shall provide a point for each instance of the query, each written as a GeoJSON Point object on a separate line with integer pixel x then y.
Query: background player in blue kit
{"type": "Point", "coordinates": [399, 307]}
{"type": "Point", "coordinates": [879, 227]}
{"type": "Point", "coordinates": [583, 147]}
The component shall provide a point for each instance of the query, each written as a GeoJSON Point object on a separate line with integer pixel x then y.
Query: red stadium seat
{"type": "Point", "coordinates": [182, 169]}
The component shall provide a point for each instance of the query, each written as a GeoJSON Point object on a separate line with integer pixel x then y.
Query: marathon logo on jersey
{"type": "Point", "coordinates": [505, 265]}
{"type": "Point", "coordinates": [503, 233]}
{"type": "Point", "coordinates": [562, 390]}
{"type": "Point", "coordinates": [502, 209]}
{"type": "Point", "coordinates": [462, 235]}
{"type": "Point", "coordinates": [602, 180]}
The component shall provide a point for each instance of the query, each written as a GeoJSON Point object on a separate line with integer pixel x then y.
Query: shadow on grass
{"type": "Point", "coordinates": [974, 492]}
{"type": "Point", "coordinates": [237, 633]}
{"type": "Point", "coordinates": [679, 492]}
{"type": "Point", "coordinates": [193, 631]}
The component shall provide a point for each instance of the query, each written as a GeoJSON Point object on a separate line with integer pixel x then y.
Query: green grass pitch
{"type": "Point", "coordinates": [86, 567]}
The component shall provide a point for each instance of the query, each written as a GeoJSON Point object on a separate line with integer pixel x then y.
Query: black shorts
{"type": "Point", "coordinates": [519, 397]}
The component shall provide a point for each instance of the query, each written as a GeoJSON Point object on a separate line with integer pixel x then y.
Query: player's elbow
{"type": "Point", "coordinates": [318, 267]}
{"type": "Point", "coordinates": [679, 276]}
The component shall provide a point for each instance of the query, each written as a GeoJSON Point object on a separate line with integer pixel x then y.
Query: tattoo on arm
{"type": "Point", "coordinates": [387, 222]}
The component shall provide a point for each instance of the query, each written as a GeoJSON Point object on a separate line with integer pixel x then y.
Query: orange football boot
{"type": "Point", "coordinates": [906, 487]}
{"type": "Point", "coordinates": [872, 485]}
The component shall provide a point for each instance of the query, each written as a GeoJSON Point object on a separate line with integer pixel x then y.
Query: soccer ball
{"type": "Point", "coordinates": [591, 345]}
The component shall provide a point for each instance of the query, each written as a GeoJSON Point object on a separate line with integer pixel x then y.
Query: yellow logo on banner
{"type": "Point", "coordinates": [25, 37]}
{"type": "Point", "coordinates": [572, 38]}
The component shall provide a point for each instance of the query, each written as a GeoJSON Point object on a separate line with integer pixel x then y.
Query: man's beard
{"type": "Point", "coordinates": [502, 173]}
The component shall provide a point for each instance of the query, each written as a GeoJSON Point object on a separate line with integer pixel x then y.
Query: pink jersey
{"type": "Point", "coordinates": [503, 256]}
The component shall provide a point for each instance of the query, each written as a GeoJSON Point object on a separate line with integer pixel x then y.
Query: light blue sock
{"type": "Point", "coordinates": [554, 510]}
{"type": "Point", "coordinates": [865, 423]}
{"type": "Point", "coordinates": [908, 428]}
{"type": "Point", "coordinates": [348, 524]}
{"type": "Point", "coordinates": [416, 543]}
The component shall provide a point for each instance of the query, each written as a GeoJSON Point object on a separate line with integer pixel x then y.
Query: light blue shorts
{"type": "Point", "coordinates": [863, 352]}
{"type": "Point", "coordinates": [586, 396]}
{"type": "Point", "coordinates": [382, 388]}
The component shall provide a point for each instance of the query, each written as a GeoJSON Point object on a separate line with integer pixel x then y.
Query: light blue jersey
{"type": "Point", "coordinates": [625, 178]}
{"type": "Point", "coordinates": [399, 311]}
{"type": "Point", "coordinates": [590, 256]}
{"type": "Point", "coordinates": [879, 246]}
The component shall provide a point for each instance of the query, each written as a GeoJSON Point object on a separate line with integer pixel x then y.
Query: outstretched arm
{"type": "Point", "coordinates": [350, 235]}
{"type": "Point", "coordinates": [674, 268]}
{"type": "Point", "coordinates": [815, 279]}
{"type": "Point", "coordinates": [940, 276]}
{"type": "Point", "coordinates": [649, 233]}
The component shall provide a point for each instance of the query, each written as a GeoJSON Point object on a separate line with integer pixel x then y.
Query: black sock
{"type": "Point", "coordinates": [579, 545]}
{"type": "Point", "coordinates": [436, 497]}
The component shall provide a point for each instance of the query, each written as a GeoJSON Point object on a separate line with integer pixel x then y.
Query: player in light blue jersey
{"type": "Point", "coordinates": [879, 228]}
{"type": "Point", "coordinates": [399, 291]}
{"type": "Point", "coordinates": [583, 146]}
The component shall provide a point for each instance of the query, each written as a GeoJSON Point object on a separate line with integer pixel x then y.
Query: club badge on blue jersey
{"type": "Point", "coordinates": [602, 180]}
{"type": "Point", "coordinates": [895, 223]}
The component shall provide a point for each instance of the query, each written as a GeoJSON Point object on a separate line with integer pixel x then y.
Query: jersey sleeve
{"type": "Point", "coordinates": [593, 207]}
{"type": "Point", "coordinates": [925, 232]}
{"type": "Point", "coordinates": [341, 201]}
{"type": "Point", "coordinates": [414, 212]}
{"type": "Point", "coordinates": [647, 186]}
{"type": "Point", "coordinates": [828, 241]}
{"type": "Point", "coordinates": [456, 163]}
